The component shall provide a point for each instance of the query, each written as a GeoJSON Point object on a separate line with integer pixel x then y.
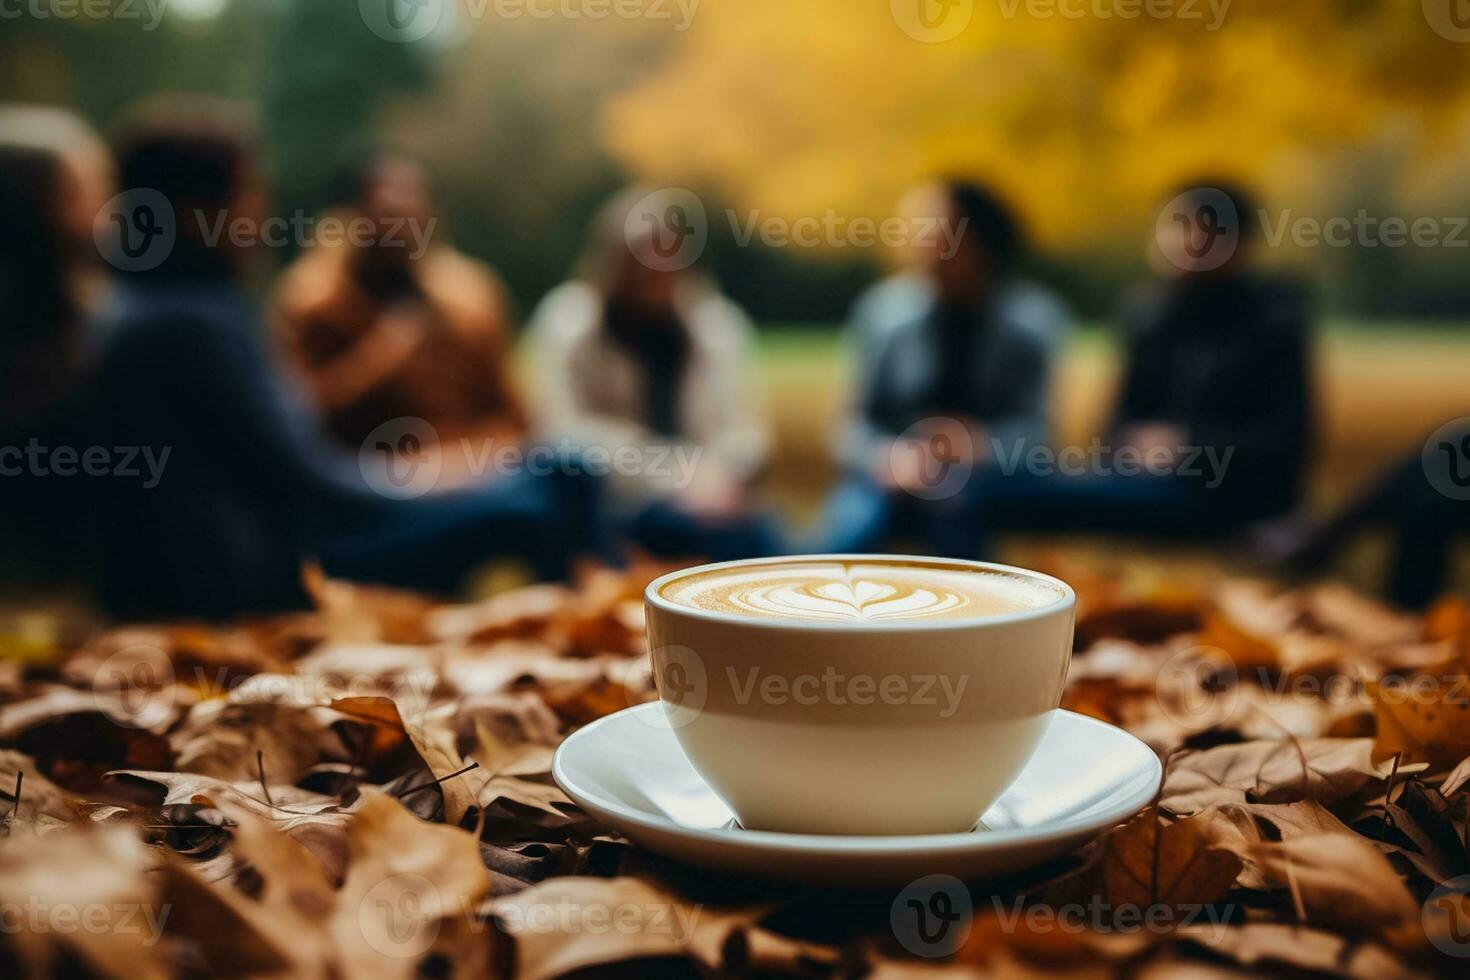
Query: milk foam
{"type": "Point", "coordinates": [865, 591]}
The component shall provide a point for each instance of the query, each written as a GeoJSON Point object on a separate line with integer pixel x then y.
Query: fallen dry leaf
{"type": "Point", "coordinates": [1336, 881]}
{"type": "Point", "coordinates": [1326, 771]}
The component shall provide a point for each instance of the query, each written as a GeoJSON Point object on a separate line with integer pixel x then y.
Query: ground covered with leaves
{"type": "Point", "coordinates": [364, 791]}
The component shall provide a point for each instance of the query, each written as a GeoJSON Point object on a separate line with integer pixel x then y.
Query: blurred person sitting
{"type": "Point", "coordinates": [955, 364]}
{"type": "Point", "coordinates": [648, 366]}
{"type": "Point", "coordinates": [249, 486]}
{"type": "Point", "coordinates": [1213, 423]}
{"type": "Point", "coordinates": [55, 176]}
{"type": "Point", "coordinates": [1423, 503]}
{"type": "Point", "coordinates": [395, 323]}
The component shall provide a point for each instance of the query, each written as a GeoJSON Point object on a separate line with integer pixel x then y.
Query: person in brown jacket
{"type": "Point", "coordinates": [387, 322]}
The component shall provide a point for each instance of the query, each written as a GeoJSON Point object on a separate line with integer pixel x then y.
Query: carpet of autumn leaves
{"type": "Point", "coordinates": [363, 791]}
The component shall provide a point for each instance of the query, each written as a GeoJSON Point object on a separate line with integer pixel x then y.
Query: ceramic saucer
{"type": "Point", "coordinates": [628, 771]}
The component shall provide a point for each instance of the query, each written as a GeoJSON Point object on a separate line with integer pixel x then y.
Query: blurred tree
{"type": "Point", "coordinates": [328, 78]}
{"type": "Point", "coordinates": [1085, 120]}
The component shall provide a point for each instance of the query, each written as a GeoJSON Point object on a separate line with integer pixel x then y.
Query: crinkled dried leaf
{"type": "Point", "coordinates": [571, 924]}
{"type": "Point", "coordinates": [432, 738]}
{"type": "Point", "coordinates": [74, 737]}
{"type": "Point", "coordinates": [1341, 610]}
{"type": "Point", "coordinates": [520, 612]}
{"type": "Point", "coordinates": [1240, 649]}
{"type": "Point", "coordinates": [43, 806]}
{"type": "Point", "coordinates": [102, 869]}
{"type": "Point", "coordinates": [1277, 945]}
{"type": "Point", "coordinates": [1449, 619]}
{"type": "Point", "coordinates": [503, 771]}
{"type": "Point", "coordinates": [1140, 622]}
{"type": "Point", "coordinates": [1150, 863]}
{"type": "Point", "coordinates": [1337, 881]}
{"type": "Point", "coordinates": [1041, 938]}
{"type": "Point", "coordinates": [1457, 779]}
{"type": "Point", "coordinates": [1325, 770]}
{"type": "Point", "coordinates": [231, 935]}
{"type": "Point", "coordinates": [411, 890]}
{"type": "Point", "coordinates": [1426, 717]}
{"type": "Point", "coordinates": [222, 739]}
{"type": "Point", "coordinates": [355, 613]}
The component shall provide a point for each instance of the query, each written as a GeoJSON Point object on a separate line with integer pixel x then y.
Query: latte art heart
{"type": "Point", "coordinates": [861, 600]}
{"type": "Point", "coordinates": [857, 592]}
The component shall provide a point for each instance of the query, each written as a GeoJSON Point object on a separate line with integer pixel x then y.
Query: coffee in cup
{"type": "Point", "coordinates": [859, 694]}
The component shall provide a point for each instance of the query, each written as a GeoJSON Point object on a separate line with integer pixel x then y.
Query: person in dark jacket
{"type": "Point", "coordinates": [1212, 428]}
{"type": "Point", "coordinates": [54, 177]}
{"type": "Point", "coordinates": [1423, 502]}
{"type": "Point", "coordinates": [242, 483]}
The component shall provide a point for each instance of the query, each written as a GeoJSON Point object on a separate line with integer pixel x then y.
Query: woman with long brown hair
{"type": "Point", "coordinates": [54, 175]}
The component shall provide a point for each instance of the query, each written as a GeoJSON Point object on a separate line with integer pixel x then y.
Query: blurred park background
{"type": "Point", "coordinates": [532, 113]}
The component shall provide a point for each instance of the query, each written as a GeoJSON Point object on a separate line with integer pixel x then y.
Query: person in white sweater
{"type": "Point", "coordinates": [644, 369]}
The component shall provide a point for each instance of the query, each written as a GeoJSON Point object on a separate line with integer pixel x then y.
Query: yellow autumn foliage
{"type": "Point", "coordinates": [798, 108]}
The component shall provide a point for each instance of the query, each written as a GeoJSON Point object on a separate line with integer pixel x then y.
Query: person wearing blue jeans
{"type": "Point", "coordinates": [955, 366]}
{"type": "Point", "coordinates": [249, 485]}
{"type": "Point", "coordinates": [1424, 504]}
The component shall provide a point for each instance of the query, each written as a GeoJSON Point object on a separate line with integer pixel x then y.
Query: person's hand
{"type": "Point", "coordinates": [713, 494]}
{"type": "Point", "coordinates": [1156, 441]}
{"type": "Point", "coordinates": [397, 336]}
{"type": "Point", "coordinates": [913, 463]}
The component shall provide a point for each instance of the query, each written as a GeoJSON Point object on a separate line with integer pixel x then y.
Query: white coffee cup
{"type": "Point", "coordinates": [903, 726]}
